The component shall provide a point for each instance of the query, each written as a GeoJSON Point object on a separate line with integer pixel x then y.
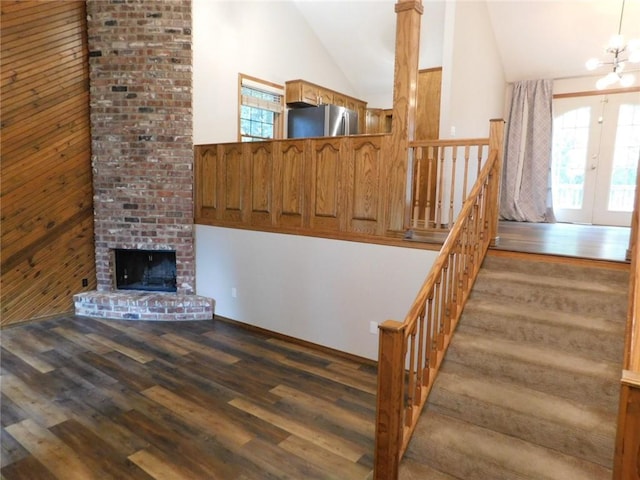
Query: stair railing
{"type": "Point", "coordinates": [626, 464]}
{"type": "Point", "coordinates": [443, 173]}
{"type": "Point", "coordinates": [410, 353]}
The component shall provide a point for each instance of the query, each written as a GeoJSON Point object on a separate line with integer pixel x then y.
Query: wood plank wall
{"type": "Point", "coordinates": [46, 193]}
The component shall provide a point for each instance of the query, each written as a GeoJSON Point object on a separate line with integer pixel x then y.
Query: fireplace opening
{"type": "Point", "coordinates": [149, 270]}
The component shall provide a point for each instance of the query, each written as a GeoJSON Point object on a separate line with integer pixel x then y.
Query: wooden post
{"type": "Point", "coordinates": [496, 142]}
{"type": "Point", "coordinates": [403, 126]}
{"type": "Point", "coordinates": [389, 425]}
{"type": "Point", "coordinates": [634, 218]}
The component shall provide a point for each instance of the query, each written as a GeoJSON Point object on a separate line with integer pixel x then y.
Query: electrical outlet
{"type": "Point", "coordinates": [373, 328]}
{"type": "Point", "coordinates": [234, 292]}
{"type": "Point", "coordinates": [85, 282]}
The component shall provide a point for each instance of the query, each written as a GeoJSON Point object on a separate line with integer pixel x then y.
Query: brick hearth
{"type": "Point", "coordinates": [142, 151]}
{"type": "Point", "coordinates": [143, 306]}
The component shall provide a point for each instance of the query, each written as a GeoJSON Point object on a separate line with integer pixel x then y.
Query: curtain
{"type": "Point", "coordinates": [526, 179]}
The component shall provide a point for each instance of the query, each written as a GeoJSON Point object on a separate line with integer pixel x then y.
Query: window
{"type": "Point", "coordinates": [625, 159]}
{"type": "Point", "coordinates": [261, 107]}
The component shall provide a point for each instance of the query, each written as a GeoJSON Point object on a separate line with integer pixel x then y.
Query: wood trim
{"type": "Point", "coordinates": [627, 449]}
{"type": "Point", "coordinates": [591, 93]}
{"type": "Point", "coordinates": [279, 127]}
{"type": "Point", "coordinates": [297, 341]}
{"type": "Point", "coordinates": [543, 257]}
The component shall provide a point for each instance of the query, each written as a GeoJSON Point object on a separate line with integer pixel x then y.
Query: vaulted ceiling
{"type": "Point", "coordinates": [535, 38]}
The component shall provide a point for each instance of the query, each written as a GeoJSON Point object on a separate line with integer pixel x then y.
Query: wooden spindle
{"type": "Point", "coordinates": [452, 190]}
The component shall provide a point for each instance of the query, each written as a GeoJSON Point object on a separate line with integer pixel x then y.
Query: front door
{"type": "Point", "coordinates": [596, 146]}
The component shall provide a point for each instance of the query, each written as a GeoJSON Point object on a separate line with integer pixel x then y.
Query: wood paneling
{"type": "Point", "coordinates": [428, 104]}
{"type": "Point", "coordinates": [290, 176]}
{"type": "Point", "coordinates": [326, 165]}
{"type": "Point", "coordinates": [234, 182]}
{"type": "Point", "coordinates": [364, 182]}
{"type": "Point", "coordinates": [262, 165]}
{"type": "Point", "coordinates": [47, 211]}
{"type": "Point", "coordinates": [323, 186]}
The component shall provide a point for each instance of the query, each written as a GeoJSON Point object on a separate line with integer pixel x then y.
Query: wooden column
{"type": "Point", "coordinates": [389, 409]}
{"type": "Point", "coordinates": [496, 142]}
{"type": "Point", "coordinates": [409, 13]}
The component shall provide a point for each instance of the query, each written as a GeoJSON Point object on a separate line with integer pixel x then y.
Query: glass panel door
{"type": "Point", "coordinates": [596, 145]}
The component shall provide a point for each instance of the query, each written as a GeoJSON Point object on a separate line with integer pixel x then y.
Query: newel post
{"type": "Point", "coordinates": [405, 85]}
{"type": "Point", "coordinates": [496, 142]}
{"type": "Point", "coordinates": [389, 407]}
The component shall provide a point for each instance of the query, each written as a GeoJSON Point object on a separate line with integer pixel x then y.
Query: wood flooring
{"type": "Point", "coordinates": [90, 399]}
{"type": "Point", "coordinates": [595, 242]}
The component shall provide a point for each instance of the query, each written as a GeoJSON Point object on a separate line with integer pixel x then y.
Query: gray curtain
{"type": "Point", "coordinates": [526, 179]}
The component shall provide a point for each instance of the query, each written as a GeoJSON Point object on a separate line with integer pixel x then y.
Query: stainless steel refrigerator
{"type": "Point", "coordinates": [321, 121]}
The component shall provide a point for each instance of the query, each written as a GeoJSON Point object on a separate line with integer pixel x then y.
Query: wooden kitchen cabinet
{"type": "Point", "coordinates": [300, 93]}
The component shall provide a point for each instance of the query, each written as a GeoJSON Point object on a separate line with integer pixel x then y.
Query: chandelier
{"type": "Point", "coordinates": [622, 53]}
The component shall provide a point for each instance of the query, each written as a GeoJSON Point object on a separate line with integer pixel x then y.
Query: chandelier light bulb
{"type": "Point", "coordinates": [602, 83]}
{"type": "Point", "coordinates": [634, 56]}
{"type": "Point", "coordinates": [592, 64]}
{"type": "Point", "coordinates": [627, 80]}
{"type": "Point", "coordinates": [616, 42]}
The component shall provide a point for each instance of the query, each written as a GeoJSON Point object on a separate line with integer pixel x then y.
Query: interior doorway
{"type": "Point", "coordinates": [596, 146]}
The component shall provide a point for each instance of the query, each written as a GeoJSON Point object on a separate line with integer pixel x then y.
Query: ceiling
{"type": "Point", "coordinates": [535, 38]}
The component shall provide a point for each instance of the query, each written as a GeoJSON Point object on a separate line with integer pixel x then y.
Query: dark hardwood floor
{"type": "Point", "coordinates": [100, 399]}
{"type": "Point", "coordinates": [565, 239]}
{"type": "Point", "coordinates": [86, 399]}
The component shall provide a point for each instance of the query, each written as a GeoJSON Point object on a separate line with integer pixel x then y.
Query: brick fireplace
{"type": "Point", "coordinates": [142, 152]}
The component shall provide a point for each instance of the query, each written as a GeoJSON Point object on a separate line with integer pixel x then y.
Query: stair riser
{"type": "Point", "coordinates": [594, 391]}
{"type": "Point", "coordinates": [469, 452]}
{"type": "Point", "coordinates": [603, 276]}
{"type": "Point", "coordinates": [597, 345]}
{"type": "Point", "coordinates": [581, 302]}
{"type": "Point", "coordinates": [588, 445]}
{"type": "Point", "coordinates": [442, 457]}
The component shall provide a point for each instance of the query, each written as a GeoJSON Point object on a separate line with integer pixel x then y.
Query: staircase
{"type": "Point", "coordinates": [529, 388]}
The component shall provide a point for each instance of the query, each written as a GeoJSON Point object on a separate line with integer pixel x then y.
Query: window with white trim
{"type": "Point", "coordinates": [260, 110]}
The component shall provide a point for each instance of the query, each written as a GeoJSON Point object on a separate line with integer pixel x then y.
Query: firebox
{"type": "Point", "coordinates": [149, 270]}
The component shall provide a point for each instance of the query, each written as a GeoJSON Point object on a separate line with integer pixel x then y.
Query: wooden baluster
{"type": "Point", "coordinates": [421, 356]}
{"type": "Point", "coordinates": [418, 152]}
{"type": "Point", "coordinates": [429, 338]}
{"type": "Point", "coordinates": [411, 378]}
{"type": "Point", "coordinates": [389, 409]}
{"type": "Point", "coordinates": [440, 193]}
{"type": "Point", "coordinates": [467, 151]}
{"type": "Point", "coordinates": [452, 194]}
{"type": "Point", "coordinates": [432, 154]}
{"type": "Point", "coordinates": [446, 312]}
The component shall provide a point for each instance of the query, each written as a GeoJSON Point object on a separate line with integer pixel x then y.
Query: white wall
{"type": "Point", "coordinates": [473, 86]}
{"type": "Point", "coordinates": [268, 40]}
{"type": "Point", "coordinates": [319, 290]}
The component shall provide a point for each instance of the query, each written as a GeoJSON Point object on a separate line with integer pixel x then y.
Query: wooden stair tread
{"type": "Point", "coordinates": [476, 453]}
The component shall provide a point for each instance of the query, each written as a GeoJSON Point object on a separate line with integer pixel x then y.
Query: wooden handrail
{"type": "Point", "coordinates": [410, 353]}
{"type": "Point", "coordinates": [627, 440]}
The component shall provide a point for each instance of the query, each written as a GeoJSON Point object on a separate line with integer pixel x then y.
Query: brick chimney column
{"type": "Point", "coordinates": [141, 120]}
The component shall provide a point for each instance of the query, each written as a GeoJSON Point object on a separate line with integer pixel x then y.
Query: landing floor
{"type": "Point", "coordinates": [565, 239]}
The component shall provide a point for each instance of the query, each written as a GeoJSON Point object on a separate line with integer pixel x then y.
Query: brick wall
{"type": "Point", "coordinates": [141, 120]}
